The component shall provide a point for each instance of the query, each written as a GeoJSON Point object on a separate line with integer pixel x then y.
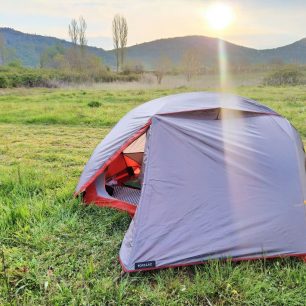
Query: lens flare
{"type": "Point", "coordinates": [233, 124]}
{"type": "Point", "coordinates": [223, 71]}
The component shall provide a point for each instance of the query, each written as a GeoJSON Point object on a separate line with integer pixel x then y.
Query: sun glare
{"type": "Point", "coordinates": [219, 16]}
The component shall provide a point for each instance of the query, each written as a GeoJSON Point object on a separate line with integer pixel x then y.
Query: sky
{"type": "Point", "coordinates": [258, 24]}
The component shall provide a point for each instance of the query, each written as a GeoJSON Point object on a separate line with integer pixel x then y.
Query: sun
{"type": "Point", "coordinates": [219, 16]}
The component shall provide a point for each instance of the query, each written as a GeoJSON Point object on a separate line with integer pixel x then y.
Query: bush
{"type": "Point", "coordinates": [285, 76]}
{"type": "Point", "coordinates": [15, 76]}
{"type": "Point", "coordinates": [133, 68]}
{"type": "Point", "coordinates": [94, 104]}
{"type": "Point", "coordinates": [128, 78]}
{"type": "Point", "coordinates": [15, 64]}
{"type": "Point", "coordinates": [4, 82]}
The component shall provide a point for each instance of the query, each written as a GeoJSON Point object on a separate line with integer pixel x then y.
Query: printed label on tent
{"type": "Point", "coordinates": [145, 264]}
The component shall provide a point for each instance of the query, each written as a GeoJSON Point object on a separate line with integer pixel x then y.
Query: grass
{"type": "Point", "coordinates": [56, 251]}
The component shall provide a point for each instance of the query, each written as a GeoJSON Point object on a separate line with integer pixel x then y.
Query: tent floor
{"type": "Point", "coordinates": [126, 194]}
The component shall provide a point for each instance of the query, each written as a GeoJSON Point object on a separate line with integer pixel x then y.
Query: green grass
{"type": "Point", "coordinates": [56, 251]}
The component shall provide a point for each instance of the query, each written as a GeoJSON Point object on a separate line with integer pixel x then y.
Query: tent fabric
{"type": "Point", "coordinates": [137, 146]}
{"type": "Point", "coordinates": [222, 177]}
{"type": "Point", "coordinates": [138, 117]}
{"type": "Point", "coordinates": [136, 149]}
{"type": "Point", "coordinates": [230, 196]}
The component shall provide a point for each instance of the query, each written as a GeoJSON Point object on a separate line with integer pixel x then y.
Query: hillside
{"type": "Point", "coordinates": [206, 47]}
{"type": "Point", "coordinates": [292, 53]}
{"type": "Point", "coordinates": [28, 48]}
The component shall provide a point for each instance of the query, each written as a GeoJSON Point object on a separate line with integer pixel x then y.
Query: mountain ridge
{"type": "Point", "coordinates": [29, 47]}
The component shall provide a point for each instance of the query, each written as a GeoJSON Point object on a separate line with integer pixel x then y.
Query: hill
{"type": "Point", "coordinates": [207, 48]}
{"type": "Point", "coordinates": [28, 48]}
{"type": "Point", "coordinates": [292, 53]}
{"type": "Point", "coordinates": [174, 48]}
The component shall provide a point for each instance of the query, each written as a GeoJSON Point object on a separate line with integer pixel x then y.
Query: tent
{"type": "Point", "coordinates": [205, 176]}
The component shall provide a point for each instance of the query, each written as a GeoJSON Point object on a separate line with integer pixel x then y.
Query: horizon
{"type": "Point", "coordinates": [252, 26]}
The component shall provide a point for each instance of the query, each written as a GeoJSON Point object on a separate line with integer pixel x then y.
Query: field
{"type": "Point", "coordinates": [56, 251]}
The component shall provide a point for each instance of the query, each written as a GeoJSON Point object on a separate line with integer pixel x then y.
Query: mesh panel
{"type": "Point", "coordinates": [126, 194]}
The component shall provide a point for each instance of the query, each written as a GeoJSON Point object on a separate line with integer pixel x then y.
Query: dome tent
{"type": "Point", "coordinates": [206, 176]}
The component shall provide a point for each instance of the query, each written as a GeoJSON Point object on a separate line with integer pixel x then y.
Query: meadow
{"type": "Point", "coordinates": [56, 251]}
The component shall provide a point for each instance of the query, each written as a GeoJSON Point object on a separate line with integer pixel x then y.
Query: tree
{"type": "Point", "coordinates": [190, 64]}
{"type": "Point", "coordinates": [116, 38]}
{"type": "Point", "coordinates": [162, 66]}
{"type": "Point", "coordinates": [82, 32]}
{"type": "Point", "coordinates": [77, 32]}
{"type": "Point", "coordinates": [123, 38]}
{"type": "Point", "coordinates": [73, 31]}
{"type": "Point", "coordinates": [120, 32]}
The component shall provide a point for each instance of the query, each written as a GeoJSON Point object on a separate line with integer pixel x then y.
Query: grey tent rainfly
{"type": "Point", "coordinates": [204, 176]}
